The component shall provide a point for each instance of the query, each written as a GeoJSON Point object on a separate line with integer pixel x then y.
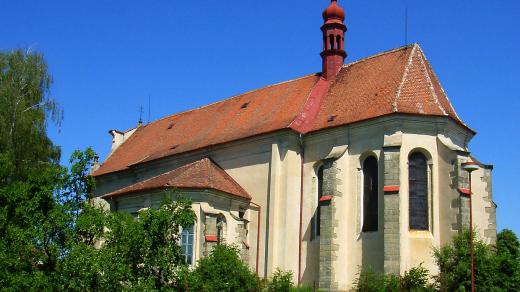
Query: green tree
{"type": "Point", "coordinates": [132, 253]}
{"type": "Point", "coordinates": [508, 260]}
{"type": "Point", "coordinates": [52, 237]}
{"type": "Point", "coordinates": [222, 270]}
{"type": "Point", "coordinates": [496, 268]}
{"type": "Point", "coordinates": [34, 227]}
{"type": "Point", "coordinates": [25, 108]}
{"type": "Point", "coordinates": [454, 265]}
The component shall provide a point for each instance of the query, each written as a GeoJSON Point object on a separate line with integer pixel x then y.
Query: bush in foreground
{"type": "Point", "coordinates": [497, 268]}
{"type": "Point", "coordinates": [416, 279]}
{"type": "Point", "coordinates": [222, 270]}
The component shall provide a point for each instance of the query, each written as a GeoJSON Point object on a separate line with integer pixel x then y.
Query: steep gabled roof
{"type": "Point", "coordinates": [396, 81]}
{"type": "Point", "coordinates": [201, 174]}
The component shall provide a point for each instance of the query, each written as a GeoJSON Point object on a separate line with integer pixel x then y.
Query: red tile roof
{"type": "Point", "coordinates": [397, 81]}
{"type": "Point", "coordinates": [201, 174]}
{"type": "Point", "coordinates": [253, 113]}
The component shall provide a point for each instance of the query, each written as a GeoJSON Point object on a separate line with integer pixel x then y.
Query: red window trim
{"type": "Point", "coordinates": [465, 191]}
{"type": "Point", "coordinates": [391, 189]}
{"type": "Point", "coordinates": [325, 199]}
{"type": "Point", "coordinates": [211, 238]}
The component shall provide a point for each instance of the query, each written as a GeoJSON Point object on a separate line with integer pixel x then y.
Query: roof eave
{"type": "Point", "coordinates": [214, 190]}
{"type": "Point", "coordinates": [471, 131]}
{"type": "Point", "coordinates": [131, 166]}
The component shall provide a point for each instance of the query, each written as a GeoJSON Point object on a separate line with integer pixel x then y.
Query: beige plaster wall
{"type": "Point", "coordinates": [202, 203]}
{"type": "Point", "coordinates": [268, 168]}
{"type": "Point", "coordinates": [248, 162]}
{"type": "Point", "coordinates": [361, 249]}
{"type": "Point", "coordinates": [481, 201]}
{"type": "Point", "coordinates": [449, 195]}
{"type": "Point", "coordinates": [416, 246]}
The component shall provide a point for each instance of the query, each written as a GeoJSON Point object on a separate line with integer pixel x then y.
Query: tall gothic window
{"type": "Point", "coordinates": [187, 235]}
{"type": "Point", "coordinates": [320, 194]}
{"type": "Point", "coordinates": [221, 221]}
{"type": "Point", "coordinates": [418, 188]}
{"type": "Point", "coordinates": [370, 194]}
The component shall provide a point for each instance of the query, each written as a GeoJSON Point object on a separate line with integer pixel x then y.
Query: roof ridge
{"type": "Point", "coordinates": [430, 84]}
{"type": "Point", "coordinates": [211, 163]}
{"type": "Point", "coordinates": [210, 172]}
{"type": "Point", "coordinates": [234, 96]}
{"type": "Point", "coordinates": [430, 71]}
{"type": "Point", "coordinates": [379, 54]}
{"type": "Point", "coordinates": [405, 76]}
{"type": "Point", "coordinates": [206, 161]}
{"type": "Point", "coordinates": [183, 168]}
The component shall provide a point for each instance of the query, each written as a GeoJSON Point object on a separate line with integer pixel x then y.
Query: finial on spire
{"type": "Point", "coordinates": [334, 12]}
{"type": "Point", "coordinates": [333, 29]}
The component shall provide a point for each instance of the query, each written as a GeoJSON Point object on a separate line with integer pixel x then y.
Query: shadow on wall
{"type": "Point", "coordinates": [372, 235]}
{"type": "Point", "coordinates": [310, 272]}
{"type": "Point", "coordinates": [372, 251]}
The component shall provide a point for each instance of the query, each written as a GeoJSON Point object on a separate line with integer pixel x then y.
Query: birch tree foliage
{"type": "Point", "coordinates": [26, 106]}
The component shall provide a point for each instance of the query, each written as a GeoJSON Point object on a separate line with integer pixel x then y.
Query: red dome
{"type": "Point", "coordinates": [334, 11]}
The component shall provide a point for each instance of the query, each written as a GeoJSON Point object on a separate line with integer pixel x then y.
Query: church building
{"type": "Point", "coordinates": [358, 165]}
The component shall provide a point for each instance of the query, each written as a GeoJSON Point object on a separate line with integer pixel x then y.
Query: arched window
{"type": "Point", "coordinates": [331, 40]}
{"type": "Point", "coordinates": [320, 194]}
{"type": "Point", "coordinates": [187, 235]}
{"type": "Point", "coordinates": [338, 42]}
{"type": "Point", "coordinates": [370, 194]}
{"type": "Point", "coordinates": [221, 223]}
{"type": "Point", "coordinates": [418, 191]}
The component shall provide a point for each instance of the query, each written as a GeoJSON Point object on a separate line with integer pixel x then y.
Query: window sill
{"type": "Point", "coordinates": [370, 232]}
{"type": "Point", "coordinates": [420, 234]}
{"type": "Point", "coordinates": [211, 238]}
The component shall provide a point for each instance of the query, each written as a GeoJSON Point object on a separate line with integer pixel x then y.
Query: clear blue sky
{"type": "Point", "coordinates": [107, 57]}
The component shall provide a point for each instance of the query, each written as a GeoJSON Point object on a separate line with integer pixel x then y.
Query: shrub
{"type": "Point", "coordinates": [369, 280]}
{"type": "Point", "coordinates": [222, 270]}
{"type": "Point", "coordinates": [496, 269]}
{"type": "Point", "coordinates": [414, 280]}
{"type": "Point", "coordinates": [281, 281]}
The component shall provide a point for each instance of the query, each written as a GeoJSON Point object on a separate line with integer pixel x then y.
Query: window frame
{"type": "Point", "coordinates": [363, 193]}
{"type": "Point", "coordinates": [182, 244]}
{"type": "Point", "coordinates": [428, 188]}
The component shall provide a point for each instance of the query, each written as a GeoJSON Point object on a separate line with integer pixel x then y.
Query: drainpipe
{"type": "Point", "coordinates": [257, 235]}
{"type": "Point", "coordinates": [301, 213]}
